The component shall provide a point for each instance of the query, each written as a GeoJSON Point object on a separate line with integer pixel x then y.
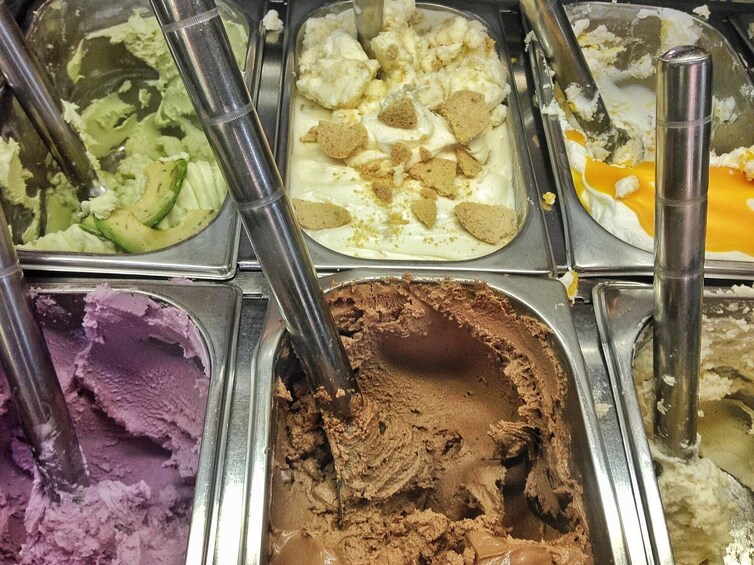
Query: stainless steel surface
{"type": "Point", "coordinates": [368, 21]}
{"type": "Point", "coordinates": [34, 91]}
{"type": "Point", "coordinates": [529, 252]}
{"type": "Point", "coordinates": [591, 249]}
{"type": "Point", "coordinates": [215, 309]}
{"type": "Point", "coordinates": [543, 299]}
{"type": "Point", "coordinates": [624, 311]}
{"type": "Point", "coordinates": [33, 384]}
{"type": "Point", "coordinates": [684, 123]}
{"type": "Point", "coordinates": [562, 51]}
{"type": "Point", "coordinates": [201, 51]}
{"type": "Point", "coordinates": [53, 34]}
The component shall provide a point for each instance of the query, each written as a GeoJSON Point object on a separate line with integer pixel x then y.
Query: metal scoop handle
{"type": "Point", "coordinates": [684, 113]}
{"type": "Point", "coordinates": [200, 48]}
{"type": "Point", "coordinates": [563, 53]}
{"type": "Point", "coordinates": [32, 88]}
{"type": "Point", "coordinates": [369, 15]}
{"type": "Point", "coordinates": [35, 389]}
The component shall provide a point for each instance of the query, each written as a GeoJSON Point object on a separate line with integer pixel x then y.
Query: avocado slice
{"type": "Point", "coordinates": [90, 224]}
{"type": "Point", "coordinates": [128, 233]}
{"type": "Point", "coordinates": [164, 181]}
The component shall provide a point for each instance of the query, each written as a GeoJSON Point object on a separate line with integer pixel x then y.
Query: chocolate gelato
{"type": "Point", "coordinates": [472, 390]}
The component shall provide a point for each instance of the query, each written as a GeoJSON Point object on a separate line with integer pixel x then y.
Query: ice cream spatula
{"type": "Point", "coordinates": [34, 91]}
{"type": "Point", "coordinates": [684, 111]}
{"type": "Point", "coordinates": [369, 15]}
{"type": "Point", "coordinates": [562, 51]}
{"type": "Point", "coordinates": [200, 48]}
{"type": "Point", "coordinates": [35, 389]}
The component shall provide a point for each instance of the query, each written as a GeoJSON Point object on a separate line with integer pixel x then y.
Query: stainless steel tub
{"type": "Point", "coordinates": [544, 300]}
{"type": "Point", "coordinates": [215, 311]}
{"type": "Point", "coordinates": [529, 252]}
{"type": "Point", "coordinates": [624, 312]}
{"type": "Point", "coordinates": [54, 31]}
{"type": "Point", "coordinates": [592, 250]}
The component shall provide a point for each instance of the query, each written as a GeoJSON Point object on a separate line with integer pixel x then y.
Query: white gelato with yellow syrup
{"type": "Point", "coordinates": [383, 187]}
{"type": "Point", "coordinates": [126, 130]}
{"type": "Point", "coordinates": [621, 197]}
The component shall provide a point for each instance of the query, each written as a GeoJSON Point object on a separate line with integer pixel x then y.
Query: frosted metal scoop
{"type": "Point", "coordinates": [35, 389]}
{"type": "Point", "coordinates": [34, 91]}
{"type": "Point", "coordinates": [369, 15]}
{"type": "Point", "coordinates": [563, 53]}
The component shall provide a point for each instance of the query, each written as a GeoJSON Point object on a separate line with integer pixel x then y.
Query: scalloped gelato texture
{"type": "Point", "coordinates": [135, 376]}
{"type": "Point", "coordinates": [422, 58]}
{"type": "Point", "coordinates": [479, 392]}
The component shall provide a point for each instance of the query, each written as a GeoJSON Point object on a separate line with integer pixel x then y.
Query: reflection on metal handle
{"type": "Point", "coordinates": [369, 15]}
{"type": "Point", "coordinates": [563, 53]}
{"type": "Point", "coordinates": [35, 389]}
{"type": "Point", "coordinates": [33, 90]}
{"type": "Point", "coordinates": [684, 102]}
{"type": "Point", "coordinates": [200, 48]}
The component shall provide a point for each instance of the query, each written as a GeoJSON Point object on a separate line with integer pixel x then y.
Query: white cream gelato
{"type": "Point", "coordinates": [698, 497]}
{"type": "Point", "coordinates": [422, 56]}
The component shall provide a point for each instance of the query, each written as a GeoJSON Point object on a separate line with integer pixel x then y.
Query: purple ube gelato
{"type": "Point", "coordinates": [135, 375]}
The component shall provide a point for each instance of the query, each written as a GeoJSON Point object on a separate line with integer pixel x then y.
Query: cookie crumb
{"type": "Point", "coordinates": [466, 113]}
{"type": "Point", "coordinates": [549, 198]}
{"type": "Point", "coordinates": [437, 173]}
{"type": "Point", "coordinates": [400, 153]}
{"type": "Point", "coordinates": [424, 154]}
{"type": "Point", "coordinates": [469, 166]}
{"type": "Point", "coordinates": [428, 193]}
{"type": "Point", "coordinates": [399, 114]}
{"type": "Point", "coordinates": [487, 222]}
{"type": "Point", "coordinates": [341, 140]}
{"type": "Point", "coordinates": [320, 215]}
{"type": "Point", "coordinates": [383, 189]}
{"type": "Point", "coordinates": [310, 136]}
{"type": "Point", "coordinates": [425, 211]}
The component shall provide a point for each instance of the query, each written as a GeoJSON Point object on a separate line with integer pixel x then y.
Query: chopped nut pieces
{"type": "Point", "coordinates": [383, 189]}
{"type": "Point", "coordinates": [400, 153]}
{"type": "Point", "coordinates": [400, 114]}
{"type": "Point", "coordinates": [426, 211]}
{"type": "Point", "coordinates": [467, 114]}
{"type": "Point", "coordinates": [436, 173]}
{"type": "Point", "coordinates": [341, 140]}
{"type": "Point", "coordinates": [487, 222]}
{"type": "Point", "coordinates": [320, 215]}
{"type": "Point", "coordinates": [425, 154]}
{"type": "Point", "coordinates": [468, 165]}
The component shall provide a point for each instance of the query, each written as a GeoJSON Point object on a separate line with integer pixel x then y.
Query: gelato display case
{"type": "Point", "coordinates": [400, 195]}
{"type": "Point", "coordinates": [110, 65]}
{"type": "Point", "coordinates": [697, 511]}
{"type": "Point", "coordinates": [572, 432]}
{"type": "Point", "coordinates": [608, 209]}
{"type": "Point", "coordinates": [146, 368]}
